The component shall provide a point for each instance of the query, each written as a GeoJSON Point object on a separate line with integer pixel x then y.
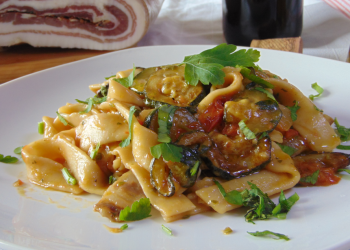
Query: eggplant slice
{"type": "Point", "coordinates": [233, 158]}
{"type": "Point", "coordinates": [161, 177]}
{"type": "Point", "coordinates": [162, 172]}
{"type": "Point", "coordinates": [326, 163]}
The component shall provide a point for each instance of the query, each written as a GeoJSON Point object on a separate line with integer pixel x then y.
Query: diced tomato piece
{"type": "Point", "coordinates": [230, 130]}
{"type": "Point", "coordinates": [291, 133]}
{"type": "Point", "coordinates": [212, 117]}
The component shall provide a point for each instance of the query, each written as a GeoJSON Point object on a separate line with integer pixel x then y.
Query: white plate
{"type": "Point", "coordinates": [34, 218]}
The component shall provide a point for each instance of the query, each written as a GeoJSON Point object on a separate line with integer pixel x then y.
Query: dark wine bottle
{"type": "Point", "coordinates": [245, 20]}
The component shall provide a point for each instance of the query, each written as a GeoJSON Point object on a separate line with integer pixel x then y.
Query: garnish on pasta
{"type": "Point", "coordinates": [211, 133]}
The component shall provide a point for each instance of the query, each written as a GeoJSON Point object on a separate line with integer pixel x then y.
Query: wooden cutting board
{"type": "Point", "coordinates": [21, 60]}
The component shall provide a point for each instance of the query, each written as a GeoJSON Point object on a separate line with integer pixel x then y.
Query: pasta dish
{"type": "Point", "coordinates": [170, 136]}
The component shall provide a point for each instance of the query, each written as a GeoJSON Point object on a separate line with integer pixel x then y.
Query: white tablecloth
{"type": "Point", "coordinates": [326, 31]}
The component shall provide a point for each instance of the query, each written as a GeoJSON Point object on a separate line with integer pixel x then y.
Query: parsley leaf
{"type": "Point", "coordinates": [90, 102]}
{"type": "Point", "coordinates": [8, 159]}
{"type": "Point", "coordinates": [344, 170]}
{"type": "Point", "coordinates": [287, 149]}
{"type": "Point", "coordinates": [104, 90]}
{"type": "Point", "coordinates": [294, 110]}
{"type": "Point", "coordinates": [106, 78]}
{"type": "Point", "coordinates": [139, 210]}
{"type": "Point", "coordinates": [127, 81]}
{"type": "Point", "coordinates": [261, 206]}
{"type": "Point", "coordinates": [124, 143]}
{"type": "Point", "coordinates": [267, 233]}
{"type": "Point", "coordinates": [343, 132]}
{"type": "Point", "coordinates": [18, 150]}
{"type": "Point", "coordinates": [343, 147]}
{"type": "Point", "coordinates": [311, 178]}
{"type": "Point", "coordinates": [233, 197]}
{"type": "Point", "coordinates": [284, 205]}
{"type": "Point", "coordinates": [169, 151]}
{"type": "Point", "coordinates": [165, 119]}
{"type": "Point", "coordinates": [247, 74]}
{"type": "Point", "coordinates": [319, 90]}
{"type": "Point", "coordinates": [206, 66]}
{"type": "Point", "coordinates": [269, 95]}
{"type": "Point", "coordinates": [246, 131]}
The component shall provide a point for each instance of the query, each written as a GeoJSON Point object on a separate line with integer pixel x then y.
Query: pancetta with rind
{"type": "Point", "coordinates": [88, 24]}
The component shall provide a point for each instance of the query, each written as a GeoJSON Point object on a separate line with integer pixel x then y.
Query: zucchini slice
{"type": "Point", "coordinates": [259, 113]}
{"type": "Point", "coordinates": [232, 158]}
{"type": "Point", "coordinates": [141, 79]}
{"type": "Point", "coordinates": [167, 85]}
{"type": "Point", "coordinates": [161, 178]}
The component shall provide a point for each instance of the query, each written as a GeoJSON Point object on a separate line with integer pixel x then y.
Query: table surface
{"type": "Point", "coordinates": [326, 33]}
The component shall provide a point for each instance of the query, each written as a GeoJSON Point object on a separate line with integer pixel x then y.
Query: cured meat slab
{"type": "Point", "coordinates": [88, 24]}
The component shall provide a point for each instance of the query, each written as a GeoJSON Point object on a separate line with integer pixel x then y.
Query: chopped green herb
{"type": "Point", "coordinates": [90, 102]}
{"type": "Point", "coordinates": [194, 169]}
{"type": "Point", "coordinates": [311, 178]}
{"type": "Point", "coordinates": [165, 119]}
{"type": "Point", "coordinates": [259, 204]}
{"type": "Point", "coordinates": [287, 149]}
{"type": "Point", "coordinates": [284, 205]}
{"type": "Point", "coordinates": [111, 179]}
{"type": "Point", "coordinates": [319, 90]}
{"type": "Point", "coordinates": [294, 110]}
{"type": "Point", "coordinates": [8, 159]}
{"type": "Point", "coordinates": [139, 210]}
{"type": "Point", "coordinates": [68, 177]}
{"type": "Point", "coordinates": [108, 77]}
{"type": "Point", "coordinates": [247, 74]}
{"type": "Point", "coordinates": [269, 95]}
{"type": "Point", "coordinates": [41, 127]}
{"type": "Point", "coordinates": [318, 109]}
{"type": "Point", "coordinates": [169, 151]}
{"type": "Point", "coordinates": [125, 226]}
{"type": "Point", "coordinates": [263, 134]}
{"type": "Point", "coordinates": [61, 118]}
{"type": "Point", "coordinates": [246, 131]}
{"type": "Point", "coordinates": [167, 230]}
{"type": "Point", "coordinates": [343, 147]}
{"type": "Point", "coordinates": [18, 150]}
{"type": "Point", "coordinates": [269, 233]}
{"type": "Point", "coordinates": [124, 143]}
{"type": "Point", "coordinates": [344, 170]}
{"type": "Point", "coordinates": [206, 66]}
{"type": "Point", "coordinates": [103, 91]}
{"type": "Point", "coordinates": [94, 151]}
{"type": "Point", "coordinates": [343, 132]}
{"type": "Point", "coordinates": [127, 81]}
{"type": "Point", "coordinates": [232, 197]}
